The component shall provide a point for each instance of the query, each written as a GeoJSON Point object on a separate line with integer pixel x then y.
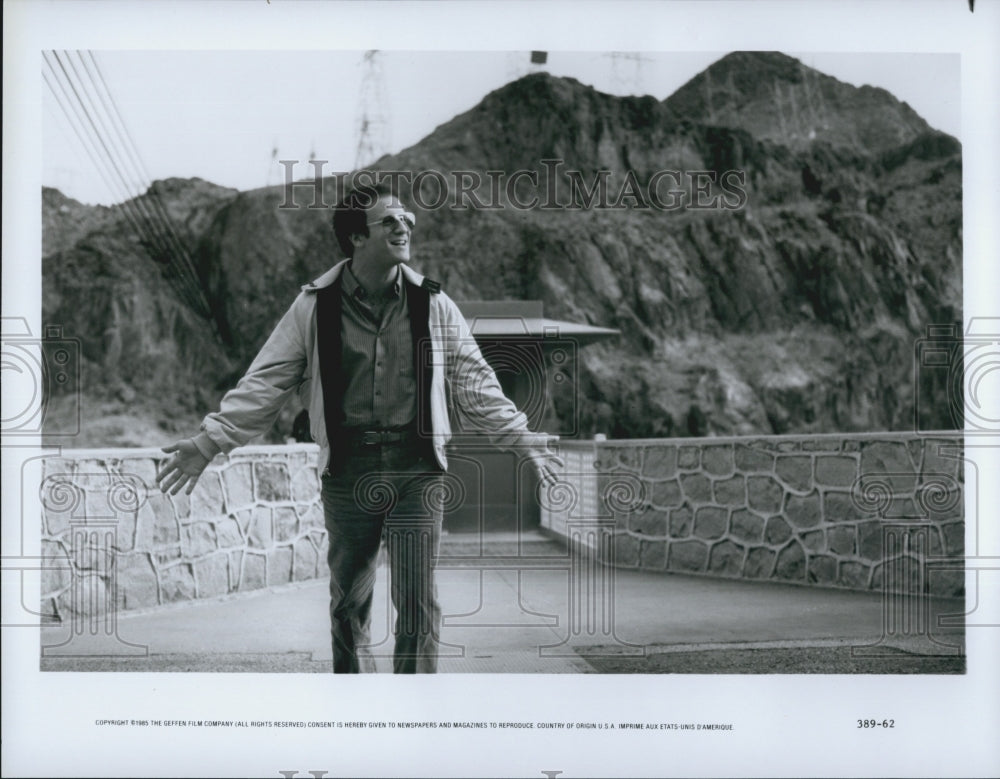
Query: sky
{"type": "Point", "coordinates": [218, 115]}
{"type": "Point", "coordinates": [228, 116]}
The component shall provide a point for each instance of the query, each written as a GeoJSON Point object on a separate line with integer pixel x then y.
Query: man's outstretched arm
{"type": "Point", "coordinates": [182, 468]}
{"type": "Point", "coordinates": [480, 405]}
{"type": "Point", "coordinates": [246, 411]}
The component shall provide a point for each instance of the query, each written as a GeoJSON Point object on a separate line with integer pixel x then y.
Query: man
{"type": "Point", "coordinates": [383, 362]}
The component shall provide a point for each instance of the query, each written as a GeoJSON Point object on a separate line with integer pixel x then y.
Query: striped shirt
{"type": "Point", "coordinates": [380, 383]}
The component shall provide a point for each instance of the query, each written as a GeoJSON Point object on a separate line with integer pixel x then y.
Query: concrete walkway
{"type": "Point", "coordinates": [515, 606]}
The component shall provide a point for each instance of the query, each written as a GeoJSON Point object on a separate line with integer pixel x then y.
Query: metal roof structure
{"type": "Point", "coordinates": [515, 320]}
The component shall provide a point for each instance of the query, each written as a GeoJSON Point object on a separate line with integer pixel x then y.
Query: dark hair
{"type": "Point", "coordinates": [350, 216]}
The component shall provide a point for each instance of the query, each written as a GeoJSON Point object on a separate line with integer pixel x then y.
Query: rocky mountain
{"type": "Point", "coordinates": [801, 235]}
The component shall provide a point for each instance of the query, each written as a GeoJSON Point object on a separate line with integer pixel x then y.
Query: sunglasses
{"type": "Point", "coordinates": [389, 221]}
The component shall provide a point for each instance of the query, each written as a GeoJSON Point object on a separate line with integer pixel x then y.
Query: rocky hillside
{"type": "Point", "coordinates": [795, 309]}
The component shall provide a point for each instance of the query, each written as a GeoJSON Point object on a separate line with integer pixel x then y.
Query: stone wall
{"type": "Point", "coordinates": [870, 512]}
{"type": "Point", "coordinates": [856, 511]}
{"type": "Point", "coordinates": [109, 537]}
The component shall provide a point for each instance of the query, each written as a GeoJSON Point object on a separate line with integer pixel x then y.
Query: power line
{"type": "Point", "coordinates": [159, 209]}
{"type": "Point", "coordinates": [146, 214]}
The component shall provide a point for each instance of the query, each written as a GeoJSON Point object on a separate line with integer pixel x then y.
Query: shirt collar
{"type": "Point", "coordinates": [352, 287]}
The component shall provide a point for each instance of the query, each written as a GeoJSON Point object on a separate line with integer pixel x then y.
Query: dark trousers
{"type": "Point", "coordinates": [389, 491]}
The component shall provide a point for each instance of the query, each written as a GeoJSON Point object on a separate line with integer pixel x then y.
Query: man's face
{"type": "Point", "coordinates": [389, 228]}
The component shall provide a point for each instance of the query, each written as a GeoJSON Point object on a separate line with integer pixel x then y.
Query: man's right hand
{"type": "Point", "coordinates": [183, 467]}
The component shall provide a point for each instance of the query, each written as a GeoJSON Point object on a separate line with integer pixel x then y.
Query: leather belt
{"type": "Point", "coordinates": [355, 437]}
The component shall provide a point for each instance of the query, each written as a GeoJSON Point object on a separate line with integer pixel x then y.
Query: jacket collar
{"type": "Point", "coordinates": [328, 278]}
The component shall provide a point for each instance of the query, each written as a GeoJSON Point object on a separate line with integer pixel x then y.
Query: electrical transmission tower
{"type": "Point", "coordinates": [373, 122]}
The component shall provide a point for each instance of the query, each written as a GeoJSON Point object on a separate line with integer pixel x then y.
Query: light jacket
{"type": "Point", "coordinates": [465, 393]}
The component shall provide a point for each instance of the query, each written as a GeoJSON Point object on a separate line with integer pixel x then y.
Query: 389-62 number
{"type": "Point", "coordinates": [872, 723]}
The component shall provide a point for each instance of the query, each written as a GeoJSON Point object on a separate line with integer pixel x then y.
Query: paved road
{"type": "Point", "coordinates": [534, 614]}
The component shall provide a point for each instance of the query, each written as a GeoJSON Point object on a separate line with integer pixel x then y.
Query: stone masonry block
{"type": "Point", "coordinates": [305, 484]}
{"type": "Point", "coordinates": [198, 540]}
{"type": "Point", "coordinates": [235, 568]}
{"type": "Point", "coordinates": [901, 574]}
{"type": "Point", "coordinates": [840, 507]}
{"type": "Point", "coordinates": [279, 565]}
{"type": "Point", "coordinates": [228, 532]}
{"type": "Point", "coordinates": [652, 522]}
{"type": "Point", "coordinates": [814, 541]}
{"type": "Point", "coordinates": [777, 531]}
{"type": "Point", "coordinates": [718, 460]}
{"type": "Point", "coordinates": [56, 522]}
{"type": "Point", "coordinates": [791, 563]}
{"type": "Point", "coordinates": [304, 564]}
{"type": "Point", "coordinates": [954, 538]}
{"type": "Point", "coordinates": [870, 540]}
{"type": "Point", "coordinates": [726, 559]}
{"type": "Point", "coordinates": [322, 548]}
{"type": "Point", "coordinates": [182, 505]}
{"type": "Point", "coordinates": [237, 478]}
{"type": "Point", "coordinates": [697, 488]}
{"type": "Point", "coordinates": [681, 522]}
{"type": "Point", "coordinates": [942, 455]}
{"type": "Point", "coordinates": [665, 494]}
{"type": "Point", "coordinates": [168, 555]}
{"type": "Point", "coordinates": [626, 551]}
{"type": "Point", "coordinates": [244, 517]}
{"type": "Point", "coordinates": [653, 555]}
{"type": "Point", "coordinates": [935, 549]}
{"type": "Point", "coordinates": [841, 540]}
{"type": "Point", "coordinates": [212, 576]}
{"type": "Point", "coordinates": [822, 569]}
{"type": "Point", "coordinates": [836, 470]}
{"type": "Point", "coordinates": [764, 494]}
{"type": "Point", "coordinates": [688, 457]}
{"type": "Point", "coordinates": [710, 522]}
{"type": "Point", "coordinates": [89, 553]}
{"type": "Point", "coordinates": [57, 574]}
{"type": "Point", "coordinates": [156, 524]}
{"type": "Point", "coordinates": [660, 462]}
{"type": "Point", "coordinates": [821, 445]}
{"type": "Point", "coordinates": [206, 500]}
{"type": "Point", "coordinates": [751, 459]}
{"type": "Point", "coordinates": [312, 517]}
{"type": "Point", "coordinates": [260, 528]}
{"type": "Point", "coordinates": [946, 583]}
{"type": "Point", "coordinates": [759, 564]}
{"type": "Point", "coordinates": [137, 585]}
{"type": "Point", "coordinates": [853, 575]}
{"type": "Point", "coordinates": [285, 523]}
{"type": "Point", "coordinates": [87, 597]}
{"type": "Point", "coordinates": [254, 575]}
{"type": "Point", "coordinates": [804, 511]}
{"type": "Point", "coordinates": [746, 526]}
{"type": "Point", "coordinates": [630, 458]}
{"type": "Point", "coordinates": [272, 482]}
{"type": "Point", "coordinates": [125, 532]}
{"type": "Point", "coordinates": [795, 471]}
{"type": "Point", "coordinates": [941, 505]}
{"type": "Point", "coordinates": [881, 457]}
{"type": "Point", "coordinates": [731, 492]}
{"type": "Point", "coordinates": [177, 583]}
{"type": "Point", "coordinates": [687, 556]}
{"type": "Point", "coordinates": [145, 468]}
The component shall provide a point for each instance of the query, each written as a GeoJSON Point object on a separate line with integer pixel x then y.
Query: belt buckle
{"type": "Point", "coordinates": [371, 438]}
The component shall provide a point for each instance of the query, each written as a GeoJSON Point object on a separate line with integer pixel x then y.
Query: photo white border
{"type": "Point", "coordinates": [785, 725]}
